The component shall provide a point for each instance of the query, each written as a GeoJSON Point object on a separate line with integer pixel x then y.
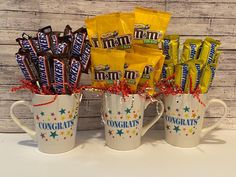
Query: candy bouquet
{"type": "Point", "coordinates": [52, 62]}
{"type": "Point", "coordinates": [125, 50]}
{"type": "Point", "coordinates": [193, 70]}
{"type": "Point", "coordinates": [132, 62]}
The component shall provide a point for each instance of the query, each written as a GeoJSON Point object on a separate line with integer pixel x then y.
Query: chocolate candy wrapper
{"type": "Point", "coordinates": [158, 69]}
{"type": "Point", "coordinates": [149, 26]}
{"type": "Point", "coordinates": [59, 76]}
{"type": "Point", "coordinates": [44, 71]}
{"type": "Point", "coordinates": [207, 77]}
{"type": "Point", "coordinates": [44, 38]}
{"type": "Point", "coordinates": [105, 71]}
{"type": "Point", "coordinates": [36, 44]}
{"type": "Point", "coordinates": [153, 57]}
{"type": "Point", "coordinates": [112, 33]}
{"type": "Point", "coordinates": [194, 74]}
{"type": "Point", "coordinates": [191, 49]}
{"type": "Point", "coordinates": [145, 49]}
{"type": "Point", "coordinates": [181, 75]}
{"type": "Point", "coordinates": [170, 47]}
{"type": "Point", "coordinates": [75, 72]}
{"type": "Point", "coordinates": [27, 67]}
{"type": "Point", "coordinates": [209, 49]}
{"type": "Point", "coordinates": [136, 66]}
{"type": "Point", "coordinates": [68, 33]}
{"type": "Point", "coordinates": [54, 42]}
{"type": "Point", "coordinates": [27, 45]}
{"type": "Point", "coordinates": [85, 57]}
{"type": "Point", "coordinates": [78, 42]}
{"type": "Point", "coordinates": [91, 25]}
{"type": "Point", "coordinates": [167, 70]}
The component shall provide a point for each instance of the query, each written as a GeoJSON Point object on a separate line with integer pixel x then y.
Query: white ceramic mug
{"type": "Point", "coordinates": [183, 119]}
{"type": "Point", "coordinates": [55, 119]}
{"type": "Point", "coordinates": [123, 120]}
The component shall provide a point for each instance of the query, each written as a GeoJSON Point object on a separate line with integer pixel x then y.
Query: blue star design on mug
{"type": "Point", "coordinates": [62, 111]}
{"type": "Point", "coordinates": [176, 129]}
{"type": "Point", "coordinates": [119, 132]}
{"type": "Point", "coordinates": [53, 134]}
{"type": "Point", "coordinates": [186, 109]}
{"type": "Point", "coordinates": [127, 110]}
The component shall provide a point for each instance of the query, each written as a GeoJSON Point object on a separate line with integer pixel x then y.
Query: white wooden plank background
{"type": "Point", "coordinates": [190, 19]}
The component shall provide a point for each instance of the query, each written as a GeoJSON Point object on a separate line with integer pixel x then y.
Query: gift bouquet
{"type": "Point", "coordinates": [52, 62]}
{"type": "Point", "coordinates": [131, 61]}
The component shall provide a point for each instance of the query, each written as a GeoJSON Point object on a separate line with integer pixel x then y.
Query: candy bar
{"type": "Point", "coordinates": [194, 75]}
{"type": "Point", "coordinates": [44, 71]}
{"type": "Point", "coordinates": [26, 66]}
{"type": "Point", "coordinates": [59, 76]}
{"type": "Point", "coordinates": [78, 42]}
{"type": "Point", "coordinates": [68, 32]}
{"type": "Point", "coordinates": [207, 77]}
{"type": "Point", "coordinates": [191, 49]}
{"type": "Point", "coordinates": [209, 49]}
{"type": "Point", "coordinates": [85, 56]}
{"type": "Point", "coordinates": [75, 71]}
{"type": "Point", "coordinates": [170, 47]}
{"type": "Point", "coordinates": [44, 38]}
{"type": "Point", "coordinates": [167, 70]}
{"type": "Point", "coordinates": [181, 74]}
{"type": "Point", "coordinates": [27, 45]}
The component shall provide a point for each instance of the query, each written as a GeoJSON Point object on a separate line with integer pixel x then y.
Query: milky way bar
{"type": "Point", "coordinates": [26, 66]}
{"type": "Point", "coordinates": [75, 72]}
{"type": "Point", "coordinates": [85, 56]}
{"type": "Point", "coordinates": [44, 38]}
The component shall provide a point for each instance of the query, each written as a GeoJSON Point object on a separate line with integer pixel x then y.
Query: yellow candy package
{"type": "Point", "coordinates": [191, 49]}
{"type": "Point", "coordinates": [209, 50]}
{"type": "Point", "coordinates": [181, 75]}
{"type": "Point", "coordinates": [144, 49]}
{"type": "Point", "coordinates": [216, 59]}
{"type": "Point", "coordinates": [167, 71]}
{"type": "Point", "coordinates": [114, 30]}
{"type": "Point", "coordinates": [207, 77]}
{"type": "Point", "coordinates": [194, 74]}
{"type": "Point", "coordinates": [158, 69]}
{"type": "Point", "coordinates": [134, 67]}
{"type": "Point", "coordinates": [170, 47]}
{"type": "Point", "coordinates": [155, 63]}
{"type": "Point", "coordinates": [91, 26]}
{"type": "Point", "coordinates": [149, 26]}
{"type": "Point", "coordinates": [107, 66]}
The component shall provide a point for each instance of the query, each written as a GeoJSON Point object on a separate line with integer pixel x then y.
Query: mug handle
{"type": "Point", "coordinates": [208, 129]}
{"type": "Point", "coordinates": [31, 132]}
{"type": "Point", "coordinates": [156, 118]}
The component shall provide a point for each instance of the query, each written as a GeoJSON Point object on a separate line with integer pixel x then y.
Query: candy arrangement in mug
{"type": "Point", "coordinates": [54, 61]}
{"type": "Point", "coordinates": [132, 58]}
